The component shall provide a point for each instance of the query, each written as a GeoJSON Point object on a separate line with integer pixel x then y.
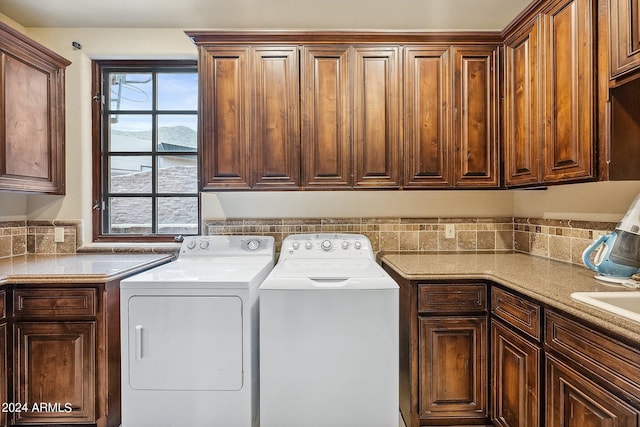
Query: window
{"type": "Point", "coordinates": [145, 149]}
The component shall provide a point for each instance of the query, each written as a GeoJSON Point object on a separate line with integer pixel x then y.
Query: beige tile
{"type": "Point", "coordinates": [19, 244]}
{"type": "Point", "coordinates": [445, 244]}
{"type": "Point", "coordinates": [389, 241]}
{"type": "Point", "coordinates": [5, 246]}
{"type": "Point", "coordinates": [45, 244]}
{"type": "Point", "coordinates": [577, 248]}
{"type": "Point", "coordinates": [504, 240]}
{"type": "Point", "coordinates": [560, 248]}
{"type": "Point", "coordinates": [540, 244]}
{"type": "Point", "coordinates": [428, 240]}
{"type": "Point", "coordinates": [409, 241]}
{"type": "Point", "coordinates": [522, 241]}
{"type": "Point", "coordinates": [486, 240]}
{"type": "Point", "coordinates": [467, 240]}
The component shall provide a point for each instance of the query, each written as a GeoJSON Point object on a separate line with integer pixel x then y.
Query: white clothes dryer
{"type": "Point", "coordinates": [328, 336]}
{"type": "Point", "coordinates": [189, 335]}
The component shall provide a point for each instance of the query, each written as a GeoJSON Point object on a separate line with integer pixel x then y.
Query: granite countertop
{"type": "Point", "coordinates": [88, 268]}
{"type": "Point", "coordinates": [548, 281]}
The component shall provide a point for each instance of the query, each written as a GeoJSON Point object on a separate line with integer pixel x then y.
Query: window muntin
{"type": "Point", "coordinates": [148, 150]}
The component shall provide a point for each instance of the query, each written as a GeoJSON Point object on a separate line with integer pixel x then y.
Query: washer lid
{"type": "Point", "coordinates": [241, 272]}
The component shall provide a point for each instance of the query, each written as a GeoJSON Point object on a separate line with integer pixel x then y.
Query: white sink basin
{"type": "Point", "coordinates": [625, 304]}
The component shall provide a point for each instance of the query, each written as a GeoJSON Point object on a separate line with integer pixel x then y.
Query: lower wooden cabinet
{"type": "Point", "coordinates": [575, 401]}
{"type": "Point", "coordinates": [60, 350]}
{"type": "Point", "coordinates": [55, 372]}
{"type": "Point", "coordinates": [453, 368]}
{"type": "Point", "coordinates": [515, 379]}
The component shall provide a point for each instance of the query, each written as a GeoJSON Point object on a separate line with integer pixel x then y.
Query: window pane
{"type": "Point", "coordinates": [178, 132]}
{"type": "Point", "coordinates": [130, 174]}
{"type": "Point", "coordinates": [178, 91]}
{"type": "Point", "coordinates": [130, 215]}
{"type": "Point", "coordinates": [177, 174]}
{"type": "Point", "coordinates": [130, 91]}
{"type": "Point", "coordinates": [177, 215]}
{"type": "Point", "coordinates": [130, 132]}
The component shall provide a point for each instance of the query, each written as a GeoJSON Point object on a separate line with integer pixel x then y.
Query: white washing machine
{"type": "Point", "coordinates": [328, 336]}
{"type": "Point", "coordinates": [189, 335]}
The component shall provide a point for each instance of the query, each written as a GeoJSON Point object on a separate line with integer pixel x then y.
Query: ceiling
{"type": "Point", "coordinates": [423, 15]}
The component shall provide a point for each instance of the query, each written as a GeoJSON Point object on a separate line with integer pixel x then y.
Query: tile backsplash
{"type": "Point", "coordinates": [37, 237]}
{"type": "Point", "coordinates": [563, 240]}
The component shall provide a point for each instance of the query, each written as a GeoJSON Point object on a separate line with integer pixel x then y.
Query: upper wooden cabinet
{"type": "Point", "coordinates": [427, 137]}
{"type": "Point", "coordinates": [624, 37]}
{"type": "Point", "coordinates": [549, 96]}
{"type": "Point", "coordinates": [32, 123]}
{"type": "Point", "coordinates": [347, 110]}
{"type": "Point", "coordinates": [475, 109]}
{"type": "Point", "coordinates": [275, 129]}
{"type": "Point", "coordinates": [326, 116]}
{"type": "Point", "coordinates": [377, 116]}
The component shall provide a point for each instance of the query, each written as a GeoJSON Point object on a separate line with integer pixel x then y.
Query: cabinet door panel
{"type": "Point", "coordinates": [326, 117]}
{"type": "Point", "coordinates": [515, 379]}
{"type": "Point", "coordinates": [474, 117]}
{"type": "Point", "coordinates": [224, 121]}
{"type": "Point", "coordinates": [55, 364]}
{"type": "Point", "coordinates": [625, 36]}
{"type": "Point", "coordinates": [427, 138]}
{"type": "Point", "coordinates": [453, 367]}
{"type": "Point", "coordinates": [377, 117]}
{"type": "Point", "coordinates": [523, 107]}
{"type": "Point", "coordinates": [575, 401]}
{"type": "Point", "coordinates": [275, 142]}
{"type": "Point", "coordinates": [569, 91]}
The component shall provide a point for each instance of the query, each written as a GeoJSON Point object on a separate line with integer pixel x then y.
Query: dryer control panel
{"type": "Point", "coordinates": [201, 246]}
{"type": "Point", "coordinates": [326, 245]}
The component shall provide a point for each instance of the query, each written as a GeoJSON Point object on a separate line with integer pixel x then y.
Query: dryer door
{"type": "Point", "coordinates": [185, 342]}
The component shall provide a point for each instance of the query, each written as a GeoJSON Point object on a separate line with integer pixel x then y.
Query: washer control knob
{"type": "Point", "coordinates": [296, 245]}
{"type": "Point", "coordinates": [325, 245]}
{"type": "Point", "coordinates": [345, 244]}
{"type": "Point", "coordinates": [307, 245]}
{"type": "Point", "coordinates": [252, 245]}
{"type": "Point", "coordinates": [191, 244]}
{"type": "Point", "coordinates": [204, 244]}
{"type": "Point", "coordinates": [357, 244]}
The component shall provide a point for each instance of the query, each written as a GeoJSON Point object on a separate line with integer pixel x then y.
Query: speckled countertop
{"type": "Point", "coordinates": [88, 268]}
{"type": "Point", "coordinates": [550, 282]}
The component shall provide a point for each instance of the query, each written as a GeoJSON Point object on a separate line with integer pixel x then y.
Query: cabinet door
{"type": "Point", "coordinates": [275, 130]}
{"type": "Point", "coordinates": [224, 118]}
{"type": "Point", "coordinates": [326, 117]}
{"type": "Point", "coordinates": [569, 90]}
{"type": "Point", "coordinates": [523, 107]}
{"type": "Point", "coordinates": [4, 372]}
{"type": "Point", "coordinates": [32, 123]}
{"type": "Point", "coordinates": [376, 117]}
{"type": "Point", "coordinates": [515, 372]}
{"type": "Point", "coordinates": [453, 368]}
{"type": "Point", "coordinates": [575, 401]}
{"type": "Point", "coordinates": [475, 117]}
{"type": "Point", "coordinates": [55, 366]}
{"type": "Point", "coordinates": [426, 137]}
{"type": "Point", "coordinates": [625, 36]}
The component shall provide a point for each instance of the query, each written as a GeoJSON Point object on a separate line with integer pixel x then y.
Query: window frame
{"type": "Point", "coordinates": [100, 131]}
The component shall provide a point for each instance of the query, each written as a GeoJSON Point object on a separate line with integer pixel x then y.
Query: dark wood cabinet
{"type": "Point", "coordinates": [515, 379]}
{"type": "Point", "coordinates": [475, 111]}
{"type": "Point", "coordinates": [275, 129]}
{"type": "Point", "coordinates": [523, 109]}
{"type": "Point", "coordinates": [573, 400]}
{"type": "Point", "coordinates": [60, 345]}
{"type": "Point", "coordinates": [5, 372]}
{"type": "Point", "coordinates": [427, 136]}
{"type": "Point", "coordinates": [624, 37]}
{"type": "Point", "coordinates": [453, 368]}
{"type": "Point", "coordinates": [32, 124]}
{"type": "Point", "coordinates": [569, 90]}
{"type": "Point", "coordinates": [224, 117]}
{"type": "Point", "coordinates": [515, 362]}
{"type": "Point", "coordinates": [550, 102]}
{"type": "Point", "coordinates": [55, 365]}
{"type": "Point", "coordinates": [377, 97]}
{"type": "Point", "coordinates": [326, 117]}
